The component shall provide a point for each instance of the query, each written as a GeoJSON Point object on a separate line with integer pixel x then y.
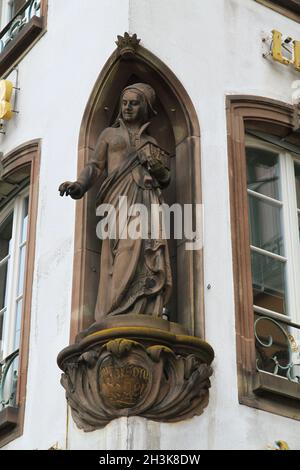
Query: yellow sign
{"type": "Point", "coordinates": [277, 50]}
{"type": "Point", "coordinates": [297, 55]}
{"type": "Point", "coordinates": [6, 88]}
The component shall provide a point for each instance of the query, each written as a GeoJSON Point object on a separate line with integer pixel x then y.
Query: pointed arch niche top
{"type": "Point", "coordinates": [176, 128]}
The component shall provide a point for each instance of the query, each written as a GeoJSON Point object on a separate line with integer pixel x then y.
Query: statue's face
{"type": "Point", "coordinates": [132, 107]}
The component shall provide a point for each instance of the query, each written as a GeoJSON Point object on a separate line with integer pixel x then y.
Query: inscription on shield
{"type": "Point", "coordinates": [123, 386]}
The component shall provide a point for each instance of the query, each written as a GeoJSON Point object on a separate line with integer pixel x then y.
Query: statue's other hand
{"type": "Point", "coordinates": [75, 190]}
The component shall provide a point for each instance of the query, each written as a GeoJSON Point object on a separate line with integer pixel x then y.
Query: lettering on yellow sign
{"type": "Point", "coordinates": [277, 48]}
{"type": "Point", "coordinates": [297, 55]}
{"type": "Point", "coordinates": [292, 48]}
{"type": "Point", "coordinates": [6, 88]}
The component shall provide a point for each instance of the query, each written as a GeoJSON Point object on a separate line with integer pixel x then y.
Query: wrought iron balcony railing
{"type": "Point", "coordinates": [9, 380]}
{"type": "Point", "coordinates": [277, 350]}
{"type": "Point", "coordinates": [30, 9]}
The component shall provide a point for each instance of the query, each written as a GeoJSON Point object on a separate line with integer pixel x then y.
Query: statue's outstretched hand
{"type": "Point", "coordinates": [75, 189]}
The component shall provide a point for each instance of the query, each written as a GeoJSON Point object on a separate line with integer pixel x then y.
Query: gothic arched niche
{"type": "Point", "coordinates": [135, 364]}
{"type": "Point", "coordinates": [177, 130]}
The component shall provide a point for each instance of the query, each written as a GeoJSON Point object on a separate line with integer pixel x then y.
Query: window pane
{"type": "Point", "coordinates": [1, 328]}
{"type": "Point", "coordinates": [268, 277]}
{"type": "Point", "coordinates": [265, 225]}
{"type": "Point", "coordinates": [5, 236]}
{"type": "Point", "coordinates": [3, 285]}
{"type": "Point", "coordinates": [263, 172]}
{"type": "Point", "coordinates": [18, 324]}
{"type": "Point", "coordinates": [25, 220]}
{"type": "Point", "coordinates": [297, 176]}
{"type": "Point", "coordinates": [21, 270]}
{"type": "Point", "coordinates": [16, 5]}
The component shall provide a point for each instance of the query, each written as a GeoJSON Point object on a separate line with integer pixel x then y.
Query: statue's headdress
{"type": "Point", "coordinates": [147, 93]}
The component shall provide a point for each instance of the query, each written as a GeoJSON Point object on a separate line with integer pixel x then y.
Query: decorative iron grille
{"type": "Point", "coordinates": [24, 15]}
{"type": "Point", "coordinates": [9, 380]}
{"type": "Point", "coordinates": [277, 350]}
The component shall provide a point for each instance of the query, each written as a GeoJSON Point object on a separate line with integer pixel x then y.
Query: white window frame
{"type": "Point", "coordinates": [290, 232]}
{"type": "Point", "coordinates": [5, 12]}
{"type": "Point", "coordinates": [10, 316]}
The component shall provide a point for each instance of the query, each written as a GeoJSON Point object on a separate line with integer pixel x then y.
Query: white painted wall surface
{"type": "Point", "coordinates": [214, 48]}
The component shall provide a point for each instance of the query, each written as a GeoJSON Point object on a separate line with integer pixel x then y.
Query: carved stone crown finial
{"type": "Point", "coordinates": [127, 45]}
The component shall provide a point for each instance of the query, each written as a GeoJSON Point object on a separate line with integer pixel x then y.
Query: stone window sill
{"type": "Point", "coordinates": [265, 384]}
{"type": "Point", "coordinates": [8, 418]}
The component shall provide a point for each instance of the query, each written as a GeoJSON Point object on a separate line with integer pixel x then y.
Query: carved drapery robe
{"type": "Point", "coordinates": [135, 274]}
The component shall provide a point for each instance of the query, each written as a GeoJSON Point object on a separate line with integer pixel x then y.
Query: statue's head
{"type": "Point", "coordinates": [137, 103]}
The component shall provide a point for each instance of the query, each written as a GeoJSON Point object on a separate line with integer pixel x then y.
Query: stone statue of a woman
{"type": "Point", "coordinates": [135, 274]}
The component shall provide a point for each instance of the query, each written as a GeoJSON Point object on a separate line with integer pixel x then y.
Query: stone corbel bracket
{"type": "Point", "coordinates": [135, 371]}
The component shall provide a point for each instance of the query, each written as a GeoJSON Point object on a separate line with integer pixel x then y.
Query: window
{"type": "Point", "coordinates": [264, 162]}
{"type": "Point", "coordinates": [21, 24]}
{"type": "Point", "coordinates": [290, 8]}
{"type": "Point", "coordinates": [18, 203]}
{"type": "Point", "coordinates": [13, 240]}
{"type": "Point", "coordinates": [272, 183]}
